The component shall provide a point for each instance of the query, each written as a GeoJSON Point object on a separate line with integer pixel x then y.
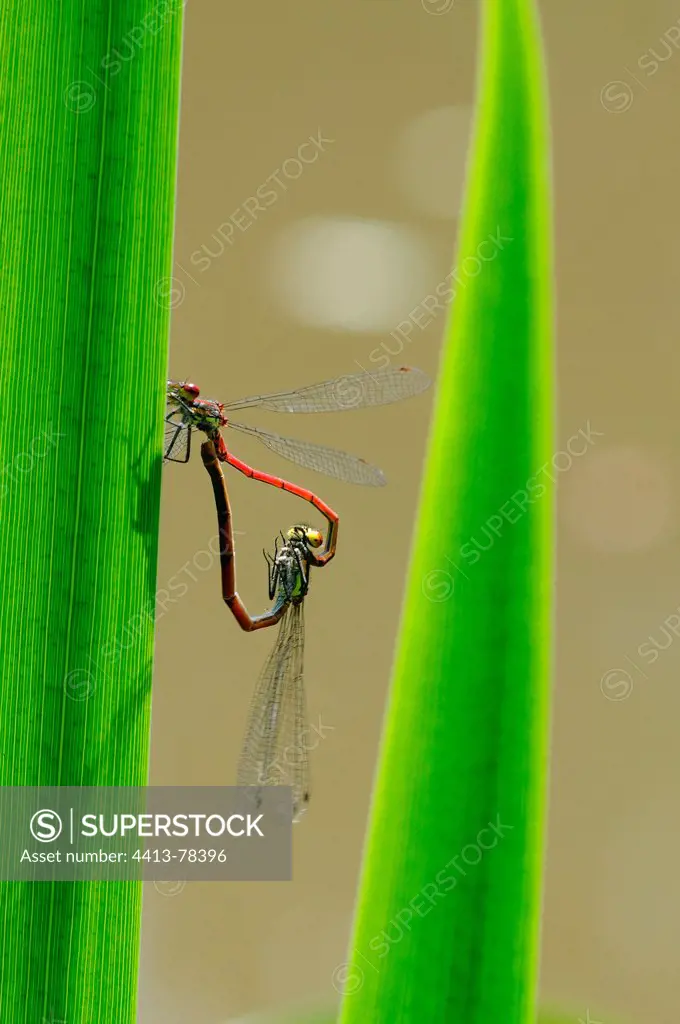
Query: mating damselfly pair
{"type": "Point", "coordinates": [278, 716]}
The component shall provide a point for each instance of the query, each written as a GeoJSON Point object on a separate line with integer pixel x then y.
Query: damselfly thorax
{"type": "Point", "coordinates": [289, 565]}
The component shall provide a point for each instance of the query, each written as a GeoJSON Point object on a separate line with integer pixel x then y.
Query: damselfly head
{"type": "Point", "coordinates": [306, 534]}
{"type": "Point", "coordinates": [185, 389]}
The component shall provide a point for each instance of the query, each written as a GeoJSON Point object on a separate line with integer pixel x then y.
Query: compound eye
{"type": "Point", "coordinates": [191, 389]}
{"type": "Point", "coordinates": [314, 538]}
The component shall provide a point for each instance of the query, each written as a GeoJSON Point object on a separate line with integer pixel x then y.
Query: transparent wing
{"type": "Point", "coordinates": [177, 441]}
{"type": "Point", "coordinates": [274, 751]}
{"type": "Point", "coordinates": [329, 461]}
{"type": "Point", "coordinates": [354, 391]}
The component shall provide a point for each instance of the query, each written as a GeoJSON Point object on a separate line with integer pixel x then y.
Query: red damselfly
{"type": "Point", "coordinates": [186, 412]}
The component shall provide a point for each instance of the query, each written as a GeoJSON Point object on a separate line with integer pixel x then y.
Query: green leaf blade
{"type": "Point", "coordinates": [89, 114]}
{"type": "Point", "coordinates": [447, 929]}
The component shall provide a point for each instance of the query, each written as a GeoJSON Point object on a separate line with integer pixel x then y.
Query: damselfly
{"type": "Point", "coordinates": [186, 412]}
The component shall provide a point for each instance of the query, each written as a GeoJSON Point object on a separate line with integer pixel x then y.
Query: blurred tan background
{"type": "Point", "coordinates": [287, 301]}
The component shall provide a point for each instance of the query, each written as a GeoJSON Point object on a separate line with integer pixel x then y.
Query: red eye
{"type": "Point", "coordinates": [191, 389]}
